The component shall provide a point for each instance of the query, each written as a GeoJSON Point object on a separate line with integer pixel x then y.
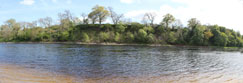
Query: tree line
{"type": "Point", "coordinates": [91, 29]}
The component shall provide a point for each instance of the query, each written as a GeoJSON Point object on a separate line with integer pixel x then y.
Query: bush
{"type": "Point", "coordinates": [103, 37]}
{"type": "Point", "coordinates": [171, 38]}
{"type": "Point", "coordinates": [151, 38]}
{"type": "Point", "coordinates": [142, 35]}
{"type": "Point", "coordinates": [117, 37]}
{"type": "Point", "coordinates": [120, 28]}
{"type": "Point", "coordinates": [64, 36]}
{"type": "Point", "coordinates": [129, 37]}
{"type": "Point", "coordinates": [149, 29]}
{"type": "Point", "coordinates": [85, 37]}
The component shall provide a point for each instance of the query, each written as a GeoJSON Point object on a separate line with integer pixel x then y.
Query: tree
{"type": "Point", "coordinates": [104, 37]}
{"type": "Point", "coordinates": [66, 15]}
{"type": "Point", "coordinates": [168, 19]}
{"type": "Point", "coordinates": [149, 17]}
{"type": "Point", "coordinates": [71, 28]}
{"type": "Point", "coordinates": [142, 35]}
{"type": "Point", "coordinates": [181, 36]}
{"type": "Point", "coordinates": [65, 29]}
{"type": "Point", "coordinates": [177, 24]}
{"type": "Point", "coordinates": [193, 23]}
{"type": "Point", "coordinates": [85, 37]}
{"type": "Point", "coordinates": [66, 20]}
{"type": "Point", "coordinates": [13, 27]}
{"type": "Point", "coordinates": [64, 36]}
{"type": "Point", "coordinates": [117, 37]}
{"type": "Point", "coordinates": [207, 36]}
{"type": "Point", "coordinates": [116, 18]}
{"type": "Point", "coordinates": [151, 38]}
{"type": "Point", "coordinates": [76, 21]}
{"type": "Point", "coordinates": [135, 26]}
{"type": "Point", "coordinates": [129, 37]}
{"type": "Point", "coordinates": [24, 25]}
{"type": "Point", "coordinates": [160, 30]}
{"type": "Point", "coordinates": [85, 18]}
{"type": "Point", "coordinates": [45, 22]}
{"type": "Point", "coordinates": [93, 17]}
{"type": "Point", "coordinates": [149, 29]}
{"type": "Point", "coordinates": [198, 35]}
{"type": "Point", "coordinates": [220, 38]}
{"type": "Point", "coordinates": [6, 33]}
{"type": "Point", "coordinates": [120, 28]}
{"type": "Point", "coordinates": [99, 14]}
{"type": "Point", "coordinates": [232, 40]}
{"type": "Point", "coordinates": [171, 38]}
{"type": "Point", "coordinates": [106, 27]}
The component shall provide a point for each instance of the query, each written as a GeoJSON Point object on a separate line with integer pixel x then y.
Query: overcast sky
{"type": "Point", "coordinates": [228, 13]}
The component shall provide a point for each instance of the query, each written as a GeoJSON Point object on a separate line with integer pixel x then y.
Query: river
{"type": "Point", "coordinates": [67, 63]}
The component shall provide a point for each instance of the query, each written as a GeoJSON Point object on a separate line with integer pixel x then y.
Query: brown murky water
{"type": "Point", "coordinates": [57, 63]}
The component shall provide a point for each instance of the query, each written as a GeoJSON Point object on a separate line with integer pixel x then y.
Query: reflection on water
{"type": "Point", "coordinates": [168, 64]}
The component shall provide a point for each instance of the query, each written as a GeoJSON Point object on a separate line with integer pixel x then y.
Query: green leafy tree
{"type": "Point", "coordinates": [207, 36]}
{"type": "Point", "coordinates": [168, 19]}
{"type": "Point", "coordinates": [149, 29]}
{"type": "Point", "coordinates": [120, 28]}
{"type": "Point", "coordinates": [106, 27]}
{"type": "Point", "coordinates": [193, 23]}
{"type": "Point", "coordinates": [99, 13]}
{"type": "Point", "coordinates": [142, 35]}
{"type": "Point", "coordinates": [160, 30]}
{"type": "Point", "coordinates": [129, 37]}
{"type": "Point", "coordinates": [171, 38]}
{"type": "Point", "coordinates": [64, 36]}
{"type": "Point", "coordinates": [135, 26]}
{"type": "Point", "coordinates": [220, 39]}
{"type": "Point", "coordinates": [118, 37]}
{"type": "Point", "coordinates": [198, 36]}
{"type": "Point", "coordinates": [151, 38]}
{"type": "Point", "coordinates": [104, 37]}
{"type": "Point", "coordinates": [85, 37]}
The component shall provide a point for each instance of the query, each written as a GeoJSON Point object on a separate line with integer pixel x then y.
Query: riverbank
{"type": "Point", "coordinates": [10, 73]}
{"type": "Point", "coordinates": [82, 43]}
{"type": "Point", "coordinates": [115, 44]}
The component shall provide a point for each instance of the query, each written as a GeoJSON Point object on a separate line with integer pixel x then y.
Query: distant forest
{"type": "Point", "coordinates": [91, 29]}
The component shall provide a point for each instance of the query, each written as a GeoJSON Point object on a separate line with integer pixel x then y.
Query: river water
{"type": "Point", "coordinates": [102, 64]}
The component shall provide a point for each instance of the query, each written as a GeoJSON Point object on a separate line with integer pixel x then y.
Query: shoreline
{"type": "Point", "coordinates": [82, 43]}
{"type": "Point", "coordinates": [11, 73]}
{"type": "Point", "coordinates": [113, 44]}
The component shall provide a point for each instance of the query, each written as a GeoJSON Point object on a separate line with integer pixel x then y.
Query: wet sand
{"type": "Point", "coordinates": [17, 74]}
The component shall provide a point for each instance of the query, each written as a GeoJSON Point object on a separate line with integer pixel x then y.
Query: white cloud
{"type": "Point", "coordinates": [27, 2]}
{"type": "Point", "coordinates": [228, 13]}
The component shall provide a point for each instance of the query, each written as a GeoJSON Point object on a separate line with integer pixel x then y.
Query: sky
{"type": "Point", "coordinates": [228, 13]}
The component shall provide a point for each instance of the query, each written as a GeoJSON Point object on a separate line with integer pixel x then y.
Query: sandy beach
{"type": "Point", "coordinates": [17, 74]}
